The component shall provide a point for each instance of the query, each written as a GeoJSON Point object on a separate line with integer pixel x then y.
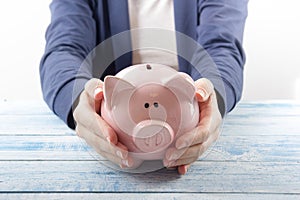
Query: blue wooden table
{"type": "Point", "coordinates": [256, 157]}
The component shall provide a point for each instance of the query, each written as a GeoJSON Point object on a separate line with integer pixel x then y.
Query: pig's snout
{"type": "Point", "coordinates": [153, 135]}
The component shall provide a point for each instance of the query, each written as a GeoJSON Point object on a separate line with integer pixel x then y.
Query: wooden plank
{"type": "Point", "coordinates": [31, 118]}
{"type": "Point", "coordinates": [257, 154]}
{"type": "Point", "coordinates": [33, 125]}
{"type": "Point", "coordinates": [243, 109]}
{"type": "Point", "coordinates": [228, 148]}
{"type": "Point", "coordinates": [203, 177]}
{"type": "Point", "coordinates": [148, 196]}
{"type": "Point", "coordinates": [28, 107]}
{"type": "Point", "coordinates": [52, 125]}
{"type": "Point", "coordinates": [262, 125]}
{"type": "Point", "coordinates": [44, 148]}
{"type": "Point", "coordinates": [264, 118]}
{"type": "Point", "coordinates": [265, 108]}
{"type": "Point", "coordinates": [256, 149]}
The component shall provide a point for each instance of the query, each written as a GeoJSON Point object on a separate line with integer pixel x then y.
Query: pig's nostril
{"type": "Point", "coordinates": [155, 104]}
{"type": "Point", "coordinates": [152, 136]}
{"type": "Point", "coordinates": [146, 105]}
{"type": "Point", "coordinates": [159, 139]}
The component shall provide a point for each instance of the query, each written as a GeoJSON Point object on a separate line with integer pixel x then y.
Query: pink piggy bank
{"type": "Point", "coordinates": [149, 106]}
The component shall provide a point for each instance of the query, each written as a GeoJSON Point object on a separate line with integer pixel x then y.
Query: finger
{"type": "Point", "coordinates": [182, 169]}
{"type": "Point", "coordinates": [189, 156]}
{"type": "Point", "coordinates": [122, 146]}
{"type": "Point", "coordinates": [98, 96]}
{"type": "Point", "coordinates": [204, 88]}
{"type": "Point", "coordinates": [101, 145]}
{"type": "Point", "coordinates": [123, 163]}
{"type": "Point", "coordinates": [87, 117]}
{"type": "Point", "coordinates": [174, 153]}
{"type": "Point", "coordinates": [179, 162]}
{"type": "Point", "coordinates": [94, 87]}
{"type": "Point", "coordinates": [199, 135]}
{"type": "Point", "coordinates": [208, 124]}
{"type": "Point", "coordinates": [119, 157]}
{"type": "Point", "coordinates": [193, 151]}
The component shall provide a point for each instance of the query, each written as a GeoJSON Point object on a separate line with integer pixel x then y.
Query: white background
{"type": "Point", "coordinates": [271, 41]}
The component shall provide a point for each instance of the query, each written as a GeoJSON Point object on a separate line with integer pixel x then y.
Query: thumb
{"type": "Point", "coordinates": [94, 88]}
{"type": "Point", "coordinates": [204, 89]}
{"type": "Point", "coordinates": [98, 94]}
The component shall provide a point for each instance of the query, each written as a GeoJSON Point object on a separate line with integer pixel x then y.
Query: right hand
{"type": "Point", "coordinates": [94, 130]}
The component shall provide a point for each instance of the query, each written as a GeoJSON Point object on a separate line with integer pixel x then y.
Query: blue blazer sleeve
{"type": "Point", "coordinates": [220, 32]}
{"type": "Point", "coordinates": [69, 38]}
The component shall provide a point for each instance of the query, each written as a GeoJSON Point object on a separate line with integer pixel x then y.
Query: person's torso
{"type": "Point", "coordinates": [146, 19]}
{"type": "Point", "coordinates": [112, 18]}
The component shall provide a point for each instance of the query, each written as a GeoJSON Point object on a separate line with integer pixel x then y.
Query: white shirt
{"type": "Point", "coordinates": [158, 14]}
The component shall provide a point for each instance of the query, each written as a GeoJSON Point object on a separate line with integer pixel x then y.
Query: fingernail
{"type": "Point", "coordinates": [201, 92]}
{"type": "Point", "coordinates": [185, 168]}
{"type": "Point", "coordinates": [97, 91]}
{"type": "Point", "coordinates": [127, 163]}
{"type": "Point", "coordinates": [108, 139]}
{"type": "Point", "coordinates": [120, 154]}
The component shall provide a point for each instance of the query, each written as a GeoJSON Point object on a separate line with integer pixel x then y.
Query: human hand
{"type": "Point", "coordinates": [94, 130]}
{"type": "Point", "coordinates": [190, 146]}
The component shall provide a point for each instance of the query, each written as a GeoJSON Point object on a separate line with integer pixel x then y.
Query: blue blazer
{"type": "Point", "coordinates": [77, 27]}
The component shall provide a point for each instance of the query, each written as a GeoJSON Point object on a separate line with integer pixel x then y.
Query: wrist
{"type": "Point", "coordinates": [221, 103]}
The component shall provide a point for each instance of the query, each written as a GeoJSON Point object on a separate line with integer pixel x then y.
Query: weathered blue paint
{"type": "Point", "coordinates": [256, 156]}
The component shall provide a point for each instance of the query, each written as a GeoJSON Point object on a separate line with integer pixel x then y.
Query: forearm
{"type": "Point", "coordinates": [69, 39]}
{"type": "Point", "coordinates": [220, 33]}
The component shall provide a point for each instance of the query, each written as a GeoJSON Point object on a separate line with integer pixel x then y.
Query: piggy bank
{"type": "Point", "coordinates": [149, 106]}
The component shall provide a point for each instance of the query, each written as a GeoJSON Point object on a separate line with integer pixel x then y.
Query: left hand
{"type": "Point", "coordinates": [190, 146]}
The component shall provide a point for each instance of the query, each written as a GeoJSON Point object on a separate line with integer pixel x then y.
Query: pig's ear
{"type": "Point", "coordinates": [114, 86]}
{"type": "Point", "coordinates": [182, 84]}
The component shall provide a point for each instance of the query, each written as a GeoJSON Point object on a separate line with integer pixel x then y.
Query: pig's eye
{"type": "Point", "coordinates": [155, 104]}
{"type": "Point", "coordinates": [148, 67]}
{"type": "Point", "coordinates": [146, 105]}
